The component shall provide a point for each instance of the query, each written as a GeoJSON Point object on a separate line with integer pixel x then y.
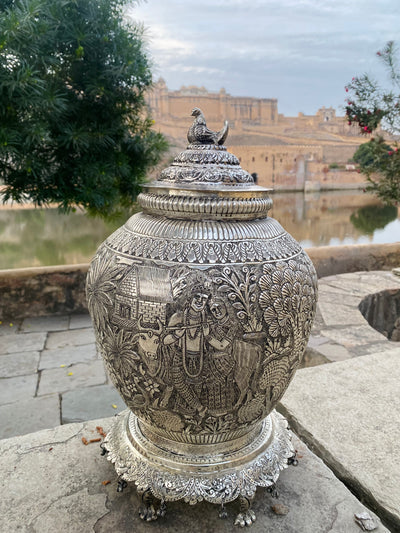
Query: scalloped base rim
{"type": "Point", "coordinates": [207, 472]}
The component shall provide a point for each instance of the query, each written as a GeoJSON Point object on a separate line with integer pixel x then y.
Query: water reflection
{"type": "Point", "coordinates": [327, 218]}
{"type": "Point", "coordinates": [34, 237]}
{"type": "Point", "coordinates": [373, 217]}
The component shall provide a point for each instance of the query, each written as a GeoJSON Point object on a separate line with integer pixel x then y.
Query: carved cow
{"type": "Point", "coordinates": [149, 350]}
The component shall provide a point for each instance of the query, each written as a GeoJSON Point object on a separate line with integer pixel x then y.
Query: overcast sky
{"type": "Point", "coordinates": [302, 52]}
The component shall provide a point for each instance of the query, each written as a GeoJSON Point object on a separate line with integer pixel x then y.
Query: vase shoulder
{"type": "Point", "coordinates": [203, 241]}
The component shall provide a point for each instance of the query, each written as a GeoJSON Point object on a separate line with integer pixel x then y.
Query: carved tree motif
{"type": "Point", "coordinates": [101, 281]}
{"type": "Point", "coordinates": [288, 300]}
{"type": "Point", "coordinates": [240, 287]}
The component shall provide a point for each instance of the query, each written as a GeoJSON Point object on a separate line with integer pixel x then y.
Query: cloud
{"type": "Point", "coordinates": [301, 51]}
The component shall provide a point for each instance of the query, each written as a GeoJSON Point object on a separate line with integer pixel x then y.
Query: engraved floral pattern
{"type": "Point", "coordinates": [240, 288]}
{"type": "Point", "coordinates": [210, 156]}
{"type": "Point", "coordinates": [101, 281]}
{"type": "Point", "coordinates": [210, 252]}
{"type": "Point", "coordinates": [217, 488]}
{"type": "Point", "coordinates": [196, 371]}
{"type": "Point", "coordinates": [216, 174]}
{"type": "Point", "coordinates": [288, 297]}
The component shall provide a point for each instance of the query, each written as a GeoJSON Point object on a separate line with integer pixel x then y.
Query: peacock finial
{"type": "Point", "coordinates": [199, 133]}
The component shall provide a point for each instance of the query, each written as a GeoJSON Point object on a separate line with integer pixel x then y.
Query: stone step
{"type": "Point", "coordinates": [349, 414]}
{"type": "Point", "coordinates": [53, 482]}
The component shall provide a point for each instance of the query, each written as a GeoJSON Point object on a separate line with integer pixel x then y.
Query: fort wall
{"type": "Point", "coordinates": [240, 111]}
{"type": "Point", "coordinates": [293, 167]}
{"type": "Point", "coordinates": [338, 153]}
{"type": "Point", "coordinates": [217, 106]}
{"type": "Point", "coordinates": [287, 153]}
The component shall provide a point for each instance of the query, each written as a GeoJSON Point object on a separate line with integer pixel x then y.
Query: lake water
{"type": "Point", "coordinates": [39, 237]}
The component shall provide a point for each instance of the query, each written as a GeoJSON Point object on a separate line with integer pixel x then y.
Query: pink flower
{"type": "Point", "coordinates": [390, 152]}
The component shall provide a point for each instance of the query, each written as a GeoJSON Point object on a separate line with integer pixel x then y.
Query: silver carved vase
{"type": "Point", "coordinates": [202, 307]}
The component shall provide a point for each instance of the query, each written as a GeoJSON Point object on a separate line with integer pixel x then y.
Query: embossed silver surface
{"type": "Point", "coordinates": [198, 473]}
{"type": "Point", "coordinates": [202, 307]}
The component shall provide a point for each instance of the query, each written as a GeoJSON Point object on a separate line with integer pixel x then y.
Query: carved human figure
{"type": "Point", "coordinates": [187, 331]}
{"type": "Point", "coordinates": [220, 389]}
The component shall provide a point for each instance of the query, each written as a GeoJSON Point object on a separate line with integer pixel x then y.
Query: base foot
{"type": "Point", "coordinates": [161, 474]}
{"type": "Point", "coordinates": [121, 485]}
{"type": "Point", "coordinates": [151, 508]}
{"type": "Point", "coordinates": [246, 516]}
{"type": "Point", "coordinates": [273, 491]}
{"type": "Point", "coordinates": [293, 461]}
{"type": "Point", "coordinates": [222, 512]}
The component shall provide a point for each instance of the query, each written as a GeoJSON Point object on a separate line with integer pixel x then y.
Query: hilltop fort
{"type": "Point", "coordinates": [292, 153]}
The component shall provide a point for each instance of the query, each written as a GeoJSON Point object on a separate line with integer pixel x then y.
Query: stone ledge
{"type": "Point", "coordinates": [51, 478]}
{"type": "Point", "coordinates": [340, 331]}
{"type": "Point", "coordinates": [349, 414]}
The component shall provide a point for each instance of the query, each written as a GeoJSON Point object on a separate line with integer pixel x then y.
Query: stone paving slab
{"type": "Point", "coordinates": [334, 352]}
{"type": "Point", "coordinates": [67, 356]}
{"type": "Point", "coordinates": [312, 357]}
{"type": "Point", "coordinates": [27, 416]}
{"type": "Point", "coordinates": [52, 482]}
{"type": "Point", "coordinates": [91, 402]}
{"type": "Point", "coordinates": [76, 337]}
{"type": "Point", "coordinates": [339, 320]}
{"type": "Point", "coordinates": [373, 347]}
{"type": "Point", "coordinates": [334, 295]}
{"type": "Point", "coordinates": [362, 282]}
{"type": "Point", "coordinates": [45, 323]}
{"type": "Point", "coordinates": [348, 315]}
{"type": "Point", "coordinates": [80, 321]}
{"type": "Point", "coordinates": [349, 412]}
{"type": "Point", "coordinates": [9, 328]}
{"type": "Point", "coordinates": [26, 342]}
{"type": "Point", "coordinates": [17, 389]}
{"type": "Point", "coordinates": [316, 340]}
{"type": "Point", "coordinates": [19, 364]}
{"type": "Point", "coordinates": [352, 336]}
{"type": "Point", "coordinates": [59, 380]}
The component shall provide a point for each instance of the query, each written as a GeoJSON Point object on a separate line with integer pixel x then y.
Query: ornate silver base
{"type": "Point", "coordinates": [217, 473]}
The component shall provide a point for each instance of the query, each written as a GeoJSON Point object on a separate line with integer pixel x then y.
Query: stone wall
{"type": "Point", "coordinates": [29, 292]}
{"type": "Point", "coordinates": [59, 290]}
{"type": "Point", "coordinates": [338, 153]}
{"type": "Point", "coordinates": [289, 167]}
{"type": "Point", "coordinates": [330, 260]}
{"type": "Point", "coordinates": [280, 167]}
{"type": "Point", "coordinates": [333, 178]}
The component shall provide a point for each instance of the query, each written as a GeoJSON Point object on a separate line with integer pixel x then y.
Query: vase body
{"type": "Point", "coordinates": [202, 304]}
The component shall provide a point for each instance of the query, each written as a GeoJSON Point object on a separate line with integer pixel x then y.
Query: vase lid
{"type": "Point", "coordinates": [205, 180]}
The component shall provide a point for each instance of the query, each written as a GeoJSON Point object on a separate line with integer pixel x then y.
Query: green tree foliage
{"type": "Point", "coordinates": [371, 105]}
{"type": "Point", "coordinates": [74, 127]}
{"type": "Point", "coordinates": [372, 217]}
{"type": "Point", "coordinates": [366, 153]}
